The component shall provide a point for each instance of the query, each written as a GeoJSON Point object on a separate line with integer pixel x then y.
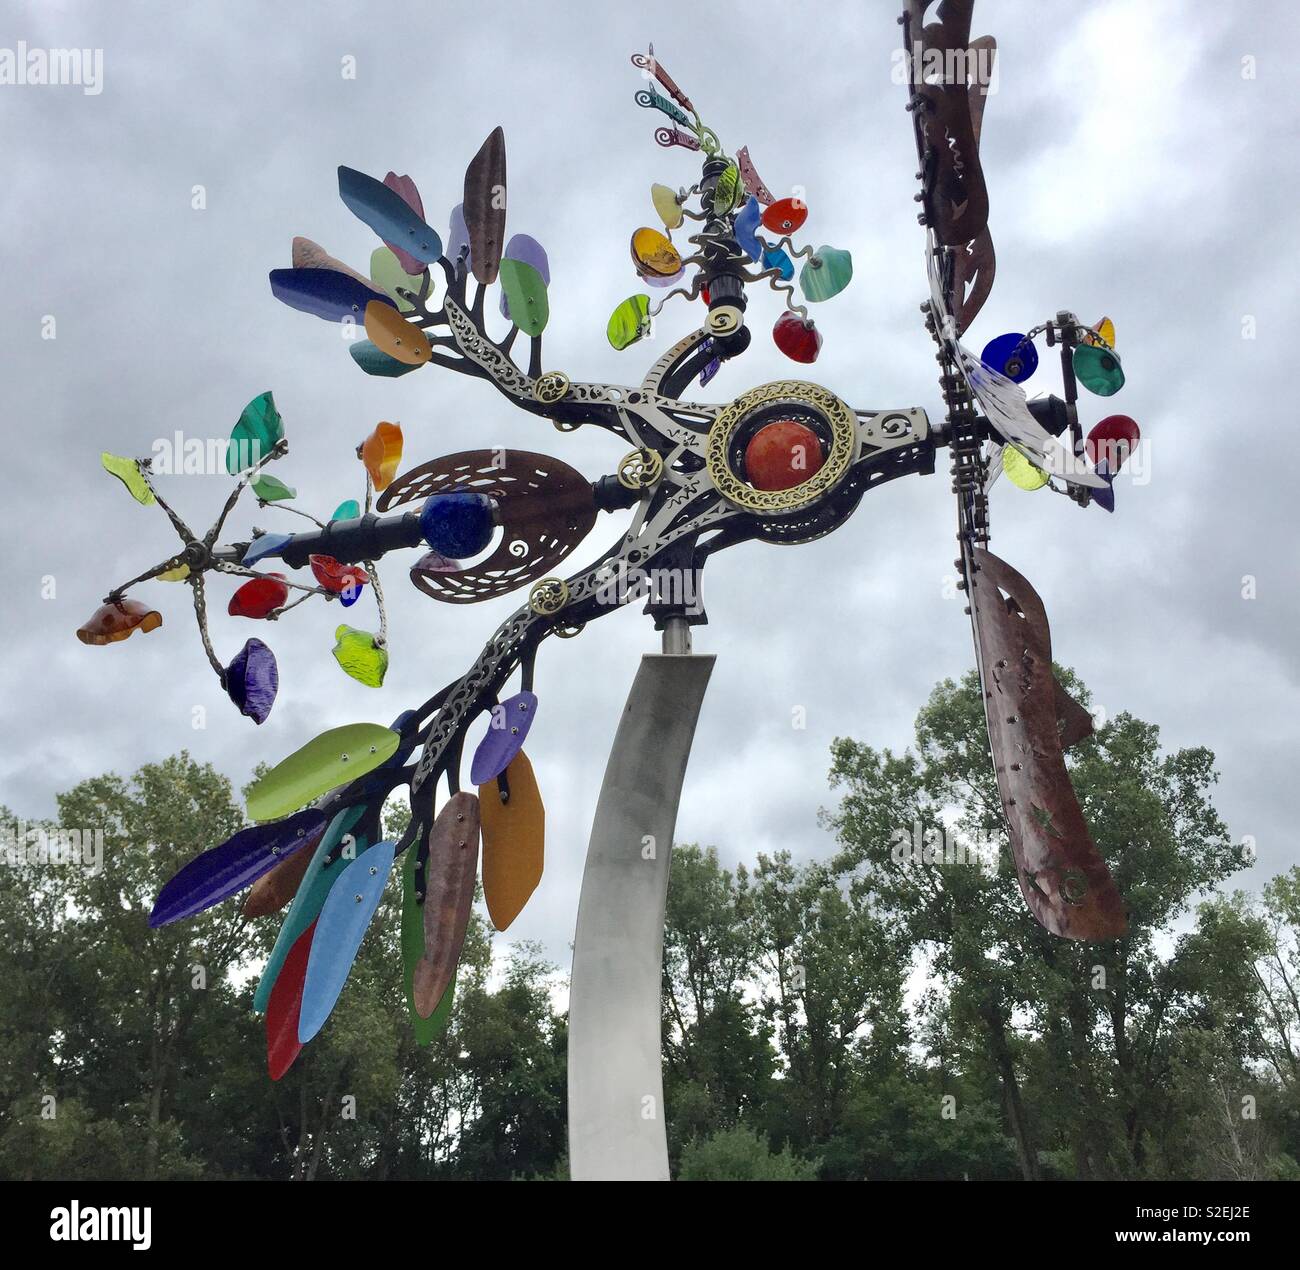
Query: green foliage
{"type": "Point", "coordinates": [860, 1016]}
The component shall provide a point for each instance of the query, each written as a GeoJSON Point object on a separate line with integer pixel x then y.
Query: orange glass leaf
{"type": "Point", "coordinates": [112, 622]}
{"type": "Point", "coordinates": [381, 452]}
{"type": "Point", "coordinates": [653, 253]}
{"type": "Point", "coordinates": [391, 333]}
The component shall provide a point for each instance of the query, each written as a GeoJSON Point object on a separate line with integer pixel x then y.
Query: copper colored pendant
{"type": "Point", "coordinates": [450, 872]}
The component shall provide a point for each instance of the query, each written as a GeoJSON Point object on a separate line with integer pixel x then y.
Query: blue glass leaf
{"type": "Point", "coordinates": [324, 293]}
{"type": "Point", "coordinates": [374, 361]}
{"type": "Point", "coordinates": [1011, 355]}
{"type": "Point", "coordinates": [388, 214]}
{"type": "Point", "coordinates": [342, 925]}
{"type": "Point", "coordinates": [775, 258]}
{"type": "Point", "coordinates": [238, 862]}
{"type": "Point", "coordinates": [709, 371]}
{"type": "Point", "coordinates": [265, 545]}
{"type": "Point", "coordinates": [748, 220]}
{"type": "Point", "coordinates": [307, 901]}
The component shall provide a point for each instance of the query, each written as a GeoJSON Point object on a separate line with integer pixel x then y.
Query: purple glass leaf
{"type": "Point", "coordinates": [531, 252]}
{"type": "Point", "coordinates": [458, 236]}
{"type": "Point", "coordinates": [252, 679]}
{"type": "Point", "coordinates": [1105, 497]}
{"type": "Point", "coordinates": [435, 562]}
{"type": "Point", "coordinates": [506, 734]}
{"type": "Point", "coordinates": [710, 370]}
{"type": "Point", "coordinates": [324, 293]}
{"type": "Point", "coordinates": [238, 862]}
{"type": "Point", "coordinates": [404, 187]}
{"type": "Point", "coordinates": [265, 545]}
{"type": "Point", "coordinates": [655, 280]}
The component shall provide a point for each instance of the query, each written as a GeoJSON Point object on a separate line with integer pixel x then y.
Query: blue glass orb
{"type": "Point", "coordinates": [457, 525]}
{"type": "Point", "coordinates": [1011, 355]}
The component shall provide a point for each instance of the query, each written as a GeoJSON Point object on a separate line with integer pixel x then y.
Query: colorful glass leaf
{"type": "Point", "coordinates": [508, 728]}
{"type": "Point", "coordinates": [285, 1007]}
{"type": "Point", "coordinates": [728, 191]}
{"type": "Point", "coordinates": [412, 950]}
{"type": "Point", "coordinates": [374, 361]}
{"type": "Point", "coordinates": [514, 835]}
{"type": "Point", "coordinates": [387, 271]}
{"type": "Point", "coordinates": [337, 577]}
{"type": "Point", "coordinates": [826, 274]}
{"type": "Point", "coordinates": [223, 871]}
{"type": "Point", "coordinates": [340, 928]}
{"type": "Point", "coordinates": [273, 890]}
{"type": "Point", "coordinates": [450, 870]}
{"type": "Point", "coordinates": [775, 258]}
{"type": "Point", "coordinates": [259, 597]}
{"type": "Point", "coordinates": [785, 216]}
{"type": "Point", "coordinates": [324, 293]}
{"type": "Point", "coordinates": [458, 235]}
{"type": "Point", "coordinates": [270, 489]}
{"type": "Point", "coordinates": [523, 292]}
{"type": "Point", "coordinates": [348, 509]}
{"type": "Point", "coordinates": [381, 452]}
{"type": "Point", "coordinates": [255, 435]}
{"type": "Point", "coordinates": [128, 472]}
{"type": "Point", "coordinates": [265, 545]}
{"type": "Point", "coordinates": [484, 206]}
{"type": "Point", "coordinates": [389, 215]}
{"type": "Point", "coordinates": [1112, 440]}
{"type": "Point", "coordinates": [361, 656]}
{"type": "Point", "coordinates": [394, 335]}
{"type": "Point", "coordinates": [1102, 333]}
{"type": "Point", "coordinates": [629, 322]}
{"type": "Point", "coordinates": [405, 189]}
{"type": "Point", "coordinates": [652, 252]}
{"type": "Point", "coordinates": [800, 341]}
{"type": "Point", "coordinates": [1098, 369]}
{"type": "Point", "coordinates": [1020, 471]}
{"type": "Point", "coordinates": [1011, 355]}
{"type": "Point", "coordinates": [178, 574]}
{"type": "Point", "coordinates": [115, 621]}
{"type": "Point", "coordinates": [316, 884]}
{"type": "Point", "coordinates": [668, 205]}
{"type": "Point", "coordinates": [253, 679]}
{"type": "Point", "coordinates": [339, 755]}
{"type": "Point", "coordinates": [525, 248]}
{"type": "Point", "coordinates": [746, 223]}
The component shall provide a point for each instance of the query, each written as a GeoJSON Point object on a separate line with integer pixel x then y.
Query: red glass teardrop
{"type": "Point", "coordinates": [259, 597]}
{"type": "Point", "coordinates": [785, 215]}
{"type": "Point", "coordinates": [799, 340]}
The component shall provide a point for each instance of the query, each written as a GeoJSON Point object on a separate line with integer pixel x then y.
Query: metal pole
{"type": "Point", "coordinates": [616, 1115]}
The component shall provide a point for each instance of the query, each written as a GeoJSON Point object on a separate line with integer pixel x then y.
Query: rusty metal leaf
{"type": "Point", "coordinates": [485, 206]}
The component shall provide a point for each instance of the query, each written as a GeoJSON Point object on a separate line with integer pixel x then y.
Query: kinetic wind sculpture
{"type": "Point", "coordinates": [784, 462]}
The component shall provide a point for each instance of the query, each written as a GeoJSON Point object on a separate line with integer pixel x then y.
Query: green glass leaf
{"type": "Point", "coordinates": [1098, 369]}
{"type": "Point", "coordinates": [826, 274]}
{"type": "Point", "coordinates": [359, 655]}
{"type": "Point", "coordinates": [258, 431]}
{"type": "Point", "coordinates": [728, 191]}
{"type": "Point", "coordinates": [413, 949]}
{"type": "Point", "coordinates": [1020, 471]}
{"type": "Point", "coordinates": [374, 361]}
{"type": "Point", "coordinates": [629, 322]}
{"type": "Point", "coordinates": [128, 472]}
{"type": "Point", "coordinates": [270, 489]}
{"type": "Point", "coordinates": [525, 290]}
{"type": "Point", "coordinates": [333, 758]}
{"type": "Point", "coordinates": [349, 509]}
{"type": "Point", "coordinates": [386, 271]}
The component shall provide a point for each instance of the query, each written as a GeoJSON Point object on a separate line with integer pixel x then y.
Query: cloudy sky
{"type": "Point", "coordinates": [1140, 159]}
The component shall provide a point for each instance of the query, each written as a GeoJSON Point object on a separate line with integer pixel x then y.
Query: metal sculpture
{"type": "Point", "coordinates": [785, 462]}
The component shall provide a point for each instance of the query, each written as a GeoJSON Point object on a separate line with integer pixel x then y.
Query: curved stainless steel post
{"type": "Point", "coordinates": [616, 1115]}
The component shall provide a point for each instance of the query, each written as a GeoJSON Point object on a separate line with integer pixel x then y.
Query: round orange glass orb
{"type": "Point", "coordinates": [782, 455]}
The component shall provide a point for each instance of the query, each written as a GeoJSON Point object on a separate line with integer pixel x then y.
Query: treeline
{"type": "Point", "coordinates": [888, 1011]}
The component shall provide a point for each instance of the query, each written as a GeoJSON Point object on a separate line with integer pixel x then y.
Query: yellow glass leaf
{"type": "Point", "coordinates": [128, 472]}
{"type": "Point", "coordinates": [391, 333]}
{"type": "Point", "coordinates": [381, 452]}
{"type": "Point", "coordinates": [666, 204]}
{"type": "Point", "coordinates": [178, 574]}
{"type": "Point", "coordinates": [1106, 330]}
{"type": "Point", "coordinates": [1020, 471]}
{"type": "Point", "coordinates": [653, 253]}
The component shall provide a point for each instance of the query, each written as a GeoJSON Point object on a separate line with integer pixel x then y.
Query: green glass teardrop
{"type": "Point", "coordinates": [348, 509]}
{"type": "Point", "coordinates": [333, 758]}
{"type": "Point", "coordinates": [359, 655]}
{"type": "Point", "coordinates": [128, 472]}
{"type": "Point", "coordinates": [258, 431]}
{"type": "Point", "coordinates": [629, 322]}
{"type": "Point", "coordinates": [827, 274]}
{"type": "Point", "coordinates": [525, 290]}
{"type": "Point", "coordinates": [270, 489]}
{"type": "Point", "coordinates": [727, 192]}
{"type": "Point", "coordinates": [1098, 369]}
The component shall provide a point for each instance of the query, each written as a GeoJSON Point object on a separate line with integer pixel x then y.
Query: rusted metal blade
{"type": "Point", "coordinates": [1063, 878]}
{"type": "Point", "coordinates": [485, 207]}
{"type": "Point", "coordinates": [450, 872]}
{"type": "Point", "coordinates": [272, 891]}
